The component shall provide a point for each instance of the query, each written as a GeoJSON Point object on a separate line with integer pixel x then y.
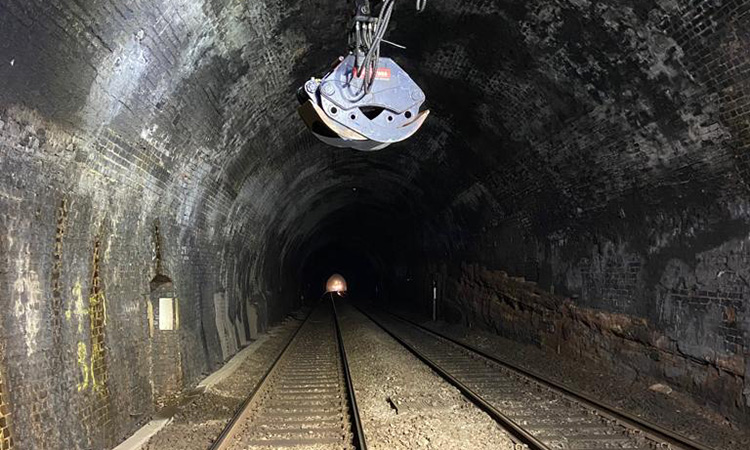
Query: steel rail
{"type": "Point", "coordinates": [230, 430]}
{"type": "Point", "coordinates": [520, 435]}
{"type": "Point", "coordinates": [359, 433]}
{"type": "Point", "coordinates": [652, 430]}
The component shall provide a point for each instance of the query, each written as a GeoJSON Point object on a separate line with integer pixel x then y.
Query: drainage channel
{"type": "Point", "coordinates": [540, 414]}
{"type": "Point", "coordinates": [306, 399]}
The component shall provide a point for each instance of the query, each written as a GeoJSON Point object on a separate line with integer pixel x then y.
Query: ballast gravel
{"type": "Point", "coordinates": [196, 425]}
{"type": "Point", "coordinates": [403, 404]}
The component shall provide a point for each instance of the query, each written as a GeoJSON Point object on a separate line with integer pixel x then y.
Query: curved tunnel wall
{"type": "Point", "coordinates": [596, 149]}
{"type": "Point", "coordinates": [621, 185]}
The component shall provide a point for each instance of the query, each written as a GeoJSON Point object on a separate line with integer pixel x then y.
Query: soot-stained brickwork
{"type": "Point", "coordinates": [113, 116]}
{"type": "Point", "coordinates": [597, 149]}
{"type": "Point", "coordinates": [97, 414]}
{"type": "Point", "coordinates": [6, 438]}
{"type": "Point", "coordinates": [621, 185]}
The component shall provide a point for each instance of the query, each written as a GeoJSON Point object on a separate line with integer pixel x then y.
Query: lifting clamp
{"type": "Point", "coordinates": [364, 102]}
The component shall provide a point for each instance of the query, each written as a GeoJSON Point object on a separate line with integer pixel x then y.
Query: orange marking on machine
{"type": "Point", "coordinates": [383, 73]}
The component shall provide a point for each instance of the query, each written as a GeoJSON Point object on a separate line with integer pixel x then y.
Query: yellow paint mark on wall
{"type": "Point", "coordinates": [97, 316]}
{"type": "Point", "coordinates": [82, 355]}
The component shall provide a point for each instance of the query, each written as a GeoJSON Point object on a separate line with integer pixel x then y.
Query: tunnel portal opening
{"type": "Point", "coordinates": [361, 271]}
{"type": "Point", "coordinates": [336, 284]}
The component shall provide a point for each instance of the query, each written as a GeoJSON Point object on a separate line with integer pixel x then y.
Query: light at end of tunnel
{"type": "Point", "coordinates": [336, 283]}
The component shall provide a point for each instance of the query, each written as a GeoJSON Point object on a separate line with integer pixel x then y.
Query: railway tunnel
{"type": "Point", "coordinates": [580, 191]}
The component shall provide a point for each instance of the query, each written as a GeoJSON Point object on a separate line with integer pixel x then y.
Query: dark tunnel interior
{"type": "Point", "coordinates": [580, 188]}
{"type": "Point", "coordinates": [362, 272]}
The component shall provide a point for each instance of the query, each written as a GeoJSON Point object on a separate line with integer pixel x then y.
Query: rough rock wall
{"type": "Point", "coordinates": [620, 186]}
{"type": "Point", "coordinates": [629, 345]}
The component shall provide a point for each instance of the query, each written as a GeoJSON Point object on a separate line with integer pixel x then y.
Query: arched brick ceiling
{"type": "Point", "coordinates": [566, 136]}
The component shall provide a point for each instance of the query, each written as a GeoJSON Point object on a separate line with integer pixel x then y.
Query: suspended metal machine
{"type": "Point", "coordinates": [365, 102]}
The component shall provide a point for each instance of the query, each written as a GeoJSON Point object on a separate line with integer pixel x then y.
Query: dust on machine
{"type": "Point", "coordinates": [366, 102]}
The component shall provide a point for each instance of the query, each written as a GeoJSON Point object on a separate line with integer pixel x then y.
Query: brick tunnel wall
{"type": "Point", "coordinates": [6, 438]}
{"type": "Point", "coordinates": [112, 120]}
{"type": "Point", "coordinates": [628, 220]}
{"type": "Point", "coordinates": [598, 150]}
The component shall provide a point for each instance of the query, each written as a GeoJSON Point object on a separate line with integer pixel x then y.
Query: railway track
{"type": "Point", "coordinates": [306, 399]}
{"type": "Point", "coordinates": [540, 414]}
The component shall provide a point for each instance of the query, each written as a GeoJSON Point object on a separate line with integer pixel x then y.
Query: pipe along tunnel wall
{"type": "Point", "coordinates": [596, 149]}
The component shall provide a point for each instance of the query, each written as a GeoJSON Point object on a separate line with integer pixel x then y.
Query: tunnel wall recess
{"type": "Point", "coordinates": [581, 185]}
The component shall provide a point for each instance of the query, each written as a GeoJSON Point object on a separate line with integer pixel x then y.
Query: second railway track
{"type": "Point", "coordinates": [541, 415]}
{"type": "Point", "coordinates": [305, 400]}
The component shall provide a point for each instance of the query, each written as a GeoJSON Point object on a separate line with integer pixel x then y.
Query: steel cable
{"type": "Point", "coordinates": [372, 38]}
